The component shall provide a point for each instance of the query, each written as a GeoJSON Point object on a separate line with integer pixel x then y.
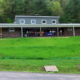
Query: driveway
{"type": "Point", "coordinates": [36, 76]}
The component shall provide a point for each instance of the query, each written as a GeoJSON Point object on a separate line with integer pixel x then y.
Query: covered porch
{"type": "Point", "coordinates": [52, 30]}
{"type": "Point", "coordinates": [41, 30]}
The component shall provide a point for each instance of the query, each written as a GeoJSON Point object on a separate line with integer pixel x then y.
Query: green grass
{"type": "Point", "coordinates": [39, 48]}
{"type": "Point", "coordinates": [32, 54]}
{"type": "Point", "coordinates": [64, 66]}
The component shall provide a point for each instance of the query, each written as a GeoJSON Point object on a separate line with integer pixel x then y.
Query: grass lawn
{"type": "Point", "coordinates": [31, 54]}
{"type": "Point", "coordinates": [64, 66]}
{"type": "Point", "coordinates": [40, 48]}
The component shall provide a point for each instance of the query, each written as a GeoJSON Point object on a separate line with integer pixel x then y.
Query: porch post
{"type": "Point", "coordinates": [73, 31]}
{"type": "Point", "coordinates": [57, 31]}
{"type": "Point", "coordinates": [0, 32]}
{"type": "Point", "coordinates": [40, 32]}
{"type": "Point", "coordinates": [21, 32]}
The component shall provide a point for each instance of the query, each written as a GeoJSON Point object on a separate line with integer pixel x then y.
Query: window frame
{"type": "Point", "coordinates": [32, 20]}
{"type": "Point", "coordinates": [13, 29]}
{"type": "Point", "coordinates": [20, 21]}
{"type": "Point", "coordinates": [69, 29]}
{"type": "Point", "coordinates": [53, 20]}
{"type": "Point", "coordinates": [45, 21]}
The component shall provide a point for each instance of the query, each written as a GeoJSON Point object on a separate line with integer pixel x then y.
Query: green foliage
{"type": "Point", "coordinates": [7, 8]}
{"type": "Point", "coordinates": [72, 11]}
{"type": "Point", "coordinates": [37, 7]}
{"type": "Point", "coordinates": [56, 9]}
{"type": "Point", "coordinates": [69, 10]}
{"type": "Point", "coordinates": [63, 4]}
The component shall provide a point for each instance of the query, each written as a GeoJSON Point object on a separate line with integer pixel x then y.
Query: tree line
{"type": "Point", "coordinates": [68, 10]}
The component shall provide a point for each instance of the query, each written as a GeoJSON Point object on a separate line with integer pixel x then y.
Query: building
{"type": "Point", "coordinates": [33, 26]}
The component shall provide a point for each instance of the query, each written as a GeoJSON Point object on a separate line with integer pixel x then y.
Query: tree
{"type": "Point", "coordinates": [7, 7]}
{"type": "Point", "coordinates": [72, 10]}
{"type": "Point", "coordinates": [56, 9]}
{"type": "Point", "coordinates": [1, 8]}
{"type": "Point", "coordinates": [19, 7]}
{"type": "Point", "coordinates": [37, 7]}
{"type": "Point", "coordinates": [63, 4]}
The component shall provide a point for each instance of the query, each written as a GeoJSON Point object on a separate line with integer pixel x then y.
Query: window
{"type": "Point", "coordinates": [22, 21]}
{"type": "Point", "coordinates": [53, 21]}
{"type": "Point", "coordinates": [69, 29]}
{"type": "Point", "coordinates": [44, 21]}
{"type": "Point", "coordinates": [11, 30]}
{"type": "Point", "coordinates": [33, 21]}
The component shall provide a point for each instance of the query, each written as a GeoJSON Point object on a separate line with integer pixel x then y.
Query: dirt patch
{"type": "Point", "coordinates": [63, 37]}
{"type": "Point", "coordinates": [49, 37]}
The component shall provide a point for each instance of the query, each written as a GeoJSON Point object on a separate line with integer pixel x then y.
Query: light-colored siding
{"type": "Point", "coordinates": [38, 20]}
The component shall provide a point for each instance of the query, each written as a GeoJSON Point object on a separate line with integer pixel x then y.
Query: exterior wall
{"type": "Point", "coordinates": [38, 20]}
{"type": "Point", "coordinates": [6, 33]}
{"type": "Point", "coordinates": [68, 33]}
{"type": "Point", "coordinates": [77, 31]}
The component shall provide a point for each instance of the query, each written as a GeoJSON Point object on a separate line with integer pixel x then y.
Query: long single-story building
{"type": "Point", "coordinates": [35, 26]}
